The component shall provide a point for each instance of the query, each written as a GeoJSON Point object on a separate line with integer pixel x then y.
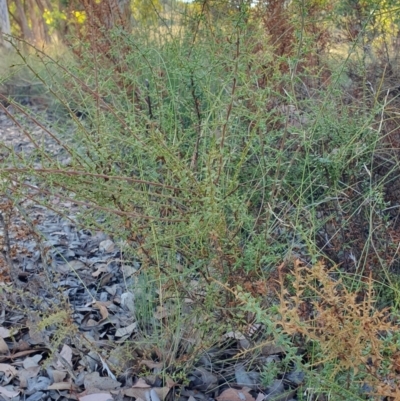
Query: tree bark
{"type": "Point", "coordinates": [22, 21]}
{"type": "Point", "coordinates": [39, 30]}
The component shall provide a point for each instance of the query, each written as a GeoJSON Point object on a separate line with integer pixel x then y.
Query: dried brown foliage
{"type": "Point", "coordinates": [281, 25]}
{"type": "Point", "coordinates": [104, 39]}
{"type": "Point", "coordinates": [278, 26]}
{"type": "Point", "coordinates": [106, 14]}
{"type": "Point", "coordinates": [102, 17]}
{"type": "Point", "coordinates": [346, 324]}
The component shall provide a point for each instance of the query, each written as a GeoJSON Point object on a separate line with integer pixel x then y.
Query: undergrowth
{"type": "Point", "coordinates": [350, 345]}
{"type": "Point", "coordinates": [210, 165]}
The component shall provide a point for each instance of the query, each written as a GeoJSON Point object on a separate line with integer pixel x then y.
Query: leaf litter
{"type": "Point", "coordinates": [65, 330]}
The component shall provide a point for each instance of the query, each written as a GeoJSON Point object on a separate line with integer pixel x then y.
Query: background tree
{"type": "Point", "coordinates": [4, 22]}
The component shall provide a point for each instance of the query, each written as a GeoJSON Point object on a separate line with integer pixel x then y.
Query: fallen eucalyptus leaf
{"type": "Point", "coordinates": [128, 271]}
{"type": "Point", "coordinates": [4, 333]}
{"type": "Point", "coordinates": [23, 353]}
{"type": "Point", "coordinates": [204, 380]}
{"type": "Point", "coordinates": [232, 394]}
{"type": "Point", "coordinates": [8, 393]}
{"type": "Point", "coordinates": [141, 383]}
{"type": "Point", "coordinates": [31, 361]}
{"type": "Point", "coordinates": [38, 396]}
{"type": "Point", "coordinates": [106, 246]}
{"type": "Point", "coordinates": [153, 396]}
{"type": "Point", "coordinates": [161, 392]}
{"type": "Point", "coordinates": [25, 374]}
{"type": "Point", "coordinates": [275, 389]}
{"type": "Point", "coordinates": [8, 370]}
{"type": "Point", "coordinates": [128, 302]}
{"type": "Point", "coordinates": [66, 353]}
{"type": "Point", "coordinates": [102, 306]}
{"type": "Point", "coordinates": [93, 380]}
{"type": "Point", "coordinates": [100, 269]}
{"type": "Point", "coordinates": [107, 369]}
{"type": "Point", "coordinates": [237, 335]}
{"type": "Point", "coordinates": [3, 347]}
{"type": "Point", "coordinates": [36, 384]}
{"type": "Point", "coordinates": [76, 265]}
{"type": "Point", "coordinates": [96, 397]}
{"type": "Point", "coordinates": [272, 349]}
{"type": "Point", "coordinates": [91, 361]}
{"type": "Point", "coordinates": [162, 312]}
{"type": "Point", "coordinates": [123, 331]}
{"type": "Point", "coordinates": [106, 279]}
{"type": "Point", "coordinates": [58, 376]}
{"type": "Point", "coordinates": [242, 377]}
{"type": "Point", "coordinates": [62, 386]}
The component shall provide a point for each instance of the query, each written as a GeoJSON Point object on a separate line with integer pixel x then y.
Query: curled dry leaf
{"type": "Point", "coordinates": [66, 353]}
{"type": "Point", "coordinates": [232, 394]}
{"type": "Point", "coordinates": [76, 265]}
{"type": "Point", "coordinates": [106, 279]}
{"type": "Point", "coordinates": [58, 376]}
{"type": "Point", "coordinates": [96, 397]}
{"type": "Point", "coordinates": [93, 380]}
{"type": "Point", "coordinates": [25, 374]}
{"type": "Point", "coordinates": [170, 382]}
{"type": "Point", "coordinates": [242, 377]}
{"type": "Point", "coordinates": [22, 353]}
{"type": "Point", "coordinates": [260, 397]}
{"type": "Point", "coordinates": [272, 349]}
{"type": "Point", "coordinates": [141, 383]}
{"type": "Point", "coordinates": [128, 270]}
{"type": "Point", "coordinates": [151, 364]}
{"type": "Point", "coordinates": [4, 333]}
{"type": "Point", "coordinates": [206, 380]}
{"type": "Point", "coordinates": [147, 394]}
{"type": "Point", "coordinates": [106, 246]}
{"type": "Point", "coordinates": [3, 346]}
{"type": "Point", "coordinates": [100, 269]}
{"type": "Point", "coordinates": [128, 301]}
{"type": "Point", "coordinates": [8, 370]}
{"type": "Point", "coordinates": [37, 384]}
{"type": "Point", "coordinates": [162, 312]}
{"type": "Point", "coordinates": [62, 386]}
{"type": "Point", "coordinates": [107, 369]}
{"type": "Point", "coordinates": [153, 395]}
{"type": "Point", "coordinates": [102, 306]}
{"type": "Point", "coordinates": [123, 331]}
{"type": "Point", "coordinates": [36, 336]}
{"type": "Point", "coordinates": [237, 335]}
{"type": "Point", "coordinates": [31, 361]}
{"type": "Point", "coordinates": [8, 393]}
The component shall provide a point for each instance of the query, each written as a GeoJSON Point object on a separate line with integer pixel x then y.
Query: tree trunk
{"type": "Point", "coordinates": [39, 30]}
{"type": "Point", "coordinates": [4, 23]}
{"type": "Point", "coordinates": [22, 21]}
